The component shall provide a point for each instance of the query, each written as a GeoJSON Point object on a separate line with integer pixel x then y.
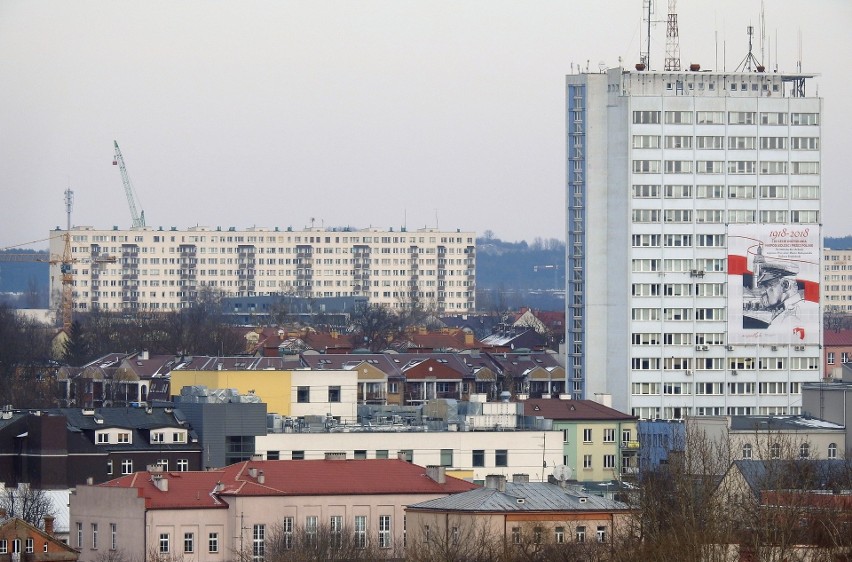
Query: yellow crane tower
{"type": "Point", "coordinates": [65, 263]}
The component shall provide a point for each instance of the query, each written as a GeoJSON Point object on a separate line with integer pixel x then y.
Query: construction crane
{"type": "Point", "coordinates": [65, 263]}
{"type": "Point", "coordinates": [137, 217]}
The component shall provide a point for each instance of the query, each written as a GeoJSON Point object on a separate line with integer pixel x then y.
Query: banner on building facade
{"type": "Point", "coordinates": [773, 284]}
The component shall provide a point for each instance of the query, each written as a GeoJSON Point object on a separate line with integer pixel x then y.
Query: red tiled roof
{"type": "Point", "coordinates": [557, 409]}
{"type": "Point", "coordinates": [837, 337]}
{"type": "Point", "coordinates": [288, 478]}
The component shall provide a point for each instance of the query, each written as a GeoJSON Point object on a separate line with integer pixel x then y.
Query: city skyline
{"type": "Point", "coordinates": [444, 114]}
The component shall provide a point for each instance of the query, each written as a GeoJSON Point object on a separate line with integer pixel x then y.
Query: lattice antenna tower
{"type": "Point", "coordinates": [645, 54]}
{"type": "Point", "coordinates": [750, 62]}
{"type": "Point", "coordinates": [672, 39]}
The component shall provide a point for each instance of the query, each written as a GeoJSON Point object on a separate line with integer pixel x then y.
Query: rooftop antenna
{"type": "Point", "coordinates": [645, 54]}
{"type": "Point", "coordinates": [762, 31]}
{"type": "Point", "coordinates": [750, 62]}
{"type": "Point", "coordinates": [799, 60]}
{"type": "Point", "coordinates": [672, 39]}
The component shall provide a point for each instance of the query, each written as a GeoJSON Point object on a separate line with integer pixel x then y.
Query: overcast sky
{"type": "Point", "coordinates": [387, 114]}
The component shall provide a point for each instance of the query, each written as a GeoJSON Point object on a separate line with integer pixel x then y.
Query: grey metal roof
{"type": "Point", "coordinates": [810, 474]}
{"type": "Point", "coordinates": [782, 423]}
{"type": "Point", "coordinates": [522, 497]}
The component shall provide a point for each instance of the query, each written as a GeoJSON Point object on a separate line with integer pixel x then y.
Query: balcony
{"type": "Point", "coordinates": [630, 445]}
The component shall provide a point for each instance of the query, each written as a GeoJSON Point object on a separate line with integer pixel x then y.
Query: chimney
{"type": "Point", "coordinates": [143, 355]}
{"type": "Point", "coordinates": [252, 472]}
{"type": "Point", "coordinates": [261, 478]}
{"type": "Point", "coordinates": [161, 483]}
{"type": "Point", "coordinates": [520, 478]}
{"type": "Point", "coordinates": [90, 481]}
{"type": "Point", "coordinates": [437, 473]}
{"type": "Point", "coordinates": [48, 525]}
{"type": "Point", "coordinates": [400, 455]}
{"type": "Point", "coordinates": [495, 482]}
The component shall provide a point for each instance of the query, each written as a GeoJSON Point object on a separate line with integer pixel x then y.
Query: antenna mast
{"type": "Point", "coordinates": [65, 266]}
{"type": "Point", "coordinates": [672, 39]}
{"type": "Point", "coordinates": [750, 62]}
{"type": "Point", "coordinates": [645, 55]}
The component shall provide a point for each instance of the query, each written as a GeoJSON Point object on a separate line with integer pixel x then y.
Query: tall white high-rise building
{"type": "Point", "coordinates": [693, 230]}
{"type": "Point", "coordinates": [155, 269]}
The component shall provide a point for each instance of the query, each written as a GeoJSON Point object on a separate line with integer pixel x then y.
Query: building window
{"type": "Point", "coordinates": [103, 438]}
{"type": "Point", "coordinates": [258, 542]}
{"type": "Point", "coordinates": [384, 531]}
{"type": "Point", "coordinates": [127, 466]}
{"type": "Point", "coordinates": [587, 435]}
{"type": "Point", "coordinates": [164, 543]}
{"type": "Point", "coordinates": [775, 451]}
{"type": "Point", "coordinates": [4, 546]}
{"type": "Point", "coordinates": [297, 455]}
{"type": "Point", "coordinates": [109, 466]}
{"type": "Point", "coordinates": [287, 532]}
{"type": "Point", "coordinates": [94, 536]}
{"type": "Point", "coordinates": [804, 451]}
{"type": "Point", "coordinates": [79, 535]}
{"type": "Point", "coordinates": [303, 394]}
{"type": "Point", "coordinates": [213, 543]}
{"type": "Point", "coordinates": [189, 542]}
{"type": "Point", "coordinates": [609, 436]}
{"type": "Point", "coordinates": [183, 465]}
{"type": "Point", "coordinates": [559, 535]}
{"type": "Point", "coordinates": [446, 457]}
{"type": "Point", "coordinates": [832, 450]}
{"type": "Point", "coordinates": [581, 533]}
{"type": "Point", "coordinates": [29, 546]}
{"type": "Point", "coordinates": [601, 533]}
{"type": "Point", "coordinates": [360, 454]}
{"type": "Point", "coordinates": [336, 530]}
{"type": "Point", "coordinates": [124, 437]}
{"type": "Point", "coordinates": [609, 461]}
{"type": "Point", "coordinates": [478, 458]}
{"type": "Point", "coordinates": [334, 394]}
{"type": "Point", "coordinates": [831, 358]}
{"type": "Point", "coordinates": [164, 464]}
{"type": "Point", "coordinates": [516, 535]}
{"type": "Point", "coordinates": [501, 457]}
{"type": "Point", "coordinates": [587, 462]}
{"type": "Point", "coordinates": [747, 451]}
{"type": "Point", "coordinates": [157, 437]}
{"type": "Point", "coordinates": [361, 531]}
{"type": "Point", "coordinates": [311, 523]}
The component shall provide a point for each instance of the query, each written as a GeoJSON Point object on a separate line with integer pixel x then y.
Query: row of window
{"type": "Point", "coordinates": [608, 435]}
{"type": "Point", "coordinates": [714, 388]}
{"type": "Point", "coordinates": [680, 412]}
{"type": "Point", "coordinates": [736, 167]}
{"type": "Point", "coordinates": [678, 314]}
{"type": "Point", "coordinates": [719, 216]}
{"type": "Point", "coordinates": [730, 363]}
{"type": "Point", "coordinates": [28, 545]}
{"type": "Point", "coordinates": [501, 456]}
{"type": "Point", "coordinates": [650, 117]}
{"type": "Point", "coordinates": [654, 191]}
{"type": "Point", "coordinates": [844, 357]}
{"type": "Point", "coordinates": [113, 536]}
{"type": "Point", "coordinates": [538, 534]}
{"type": "Point", "coordinates": [127, 465]}
{"type": "Point", "coordinates": [717, 142]}
{"type": "Point", "coordinates": [677, 289]}
{"type": "Point", "coordinates": [775, 451]}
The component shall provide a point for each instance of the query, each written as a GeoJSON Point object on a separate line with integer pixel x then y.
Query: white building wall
{"type": "Point", "coordinates": [526, 451]}
{"type": "Point", "coordinates": [670, 368]}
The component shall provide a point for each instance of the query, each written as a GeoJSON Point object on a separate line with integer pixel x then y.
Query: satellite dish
{"type": "Point", "coordinates": [562, 472]}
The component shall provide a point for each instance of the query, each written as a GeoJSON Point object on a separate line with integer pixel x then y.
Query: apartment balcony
{"type": "Point", "coordinates": [630, 446]}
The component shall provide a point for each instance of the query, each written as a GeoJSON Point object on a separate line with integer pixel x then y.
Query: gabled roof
{"type": "Point", "coordinates": [522, 497]}
{"type": "Point", "coordinates": [802, 474]}
{"type": "Point", "coordinates": [572, 410]}
{"type": "Point", "coordinates": [19, 528]}
{"type": "Point", "coordinates": [136, 418]}
{"type": "Point", "coordinates": [287, 478]}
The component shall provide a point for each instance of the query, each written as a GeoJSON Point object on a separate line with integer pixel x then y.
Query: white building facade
{"type": "Point", "coordinates": [694, 247]}
{"type": "Point", "coordinates": [156, 269]}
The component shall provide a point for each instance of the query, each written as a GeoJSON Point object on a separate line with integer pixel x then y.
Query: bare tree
{"type": "Point", "coordinates": [376, 325]}
{"type": "Point", "coordinates": [30, 504]}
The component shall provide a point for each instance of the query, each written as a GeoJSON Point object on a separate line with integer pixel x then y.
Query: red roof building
{"type": "Point", "coordinates": [208, 514]}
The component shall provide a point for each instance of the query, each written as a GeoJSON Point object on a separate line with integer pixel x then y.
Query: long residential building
{"type": "Point", "coordinates": [157, 269]}
{"type": "Point", "coordinates": [693, 240]}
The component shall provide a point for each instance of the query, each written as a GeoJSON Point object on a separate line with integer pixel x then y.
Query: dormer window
{"type": "Point", "coordinates": [157, 437]}
{"type": "Point", "coordinates": [123, 437]}
{"type": "Point", "coordinates": [103, 438]}
{"type": "Point", "coordinates": [179, 437]}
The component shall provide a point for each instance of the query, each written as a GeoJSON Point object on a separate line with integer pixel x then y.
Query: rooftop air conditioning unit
{"type": "Point", "coordinates": [800, 348]}
{"type": "Point", "coordinates": [729, 347]}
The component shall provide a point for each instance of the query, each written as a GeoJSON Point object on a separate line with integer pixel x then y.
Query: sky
{"type": "Point", "coordinates": [395, 113]}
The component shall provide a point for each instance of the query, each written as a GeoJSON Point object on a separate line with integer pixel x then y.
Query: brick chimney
{"type": "Point", "coordinates": [48, 525]}
{"type": "Point", "coordinates": [437, 473]}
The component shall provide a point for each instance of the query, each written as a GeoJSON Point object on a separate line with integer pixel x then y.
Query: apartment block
{"type": "Point", "coordinates": [156, 269]}
{"type": "Point", "coordinates": [693, 240]}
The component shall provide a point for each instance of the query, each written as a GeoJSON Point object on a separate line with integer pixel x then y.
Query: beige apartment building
{"type": "Point", "coordinates": [837, 280]}
{"type": "Point", "coordinates": [156, 269]}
